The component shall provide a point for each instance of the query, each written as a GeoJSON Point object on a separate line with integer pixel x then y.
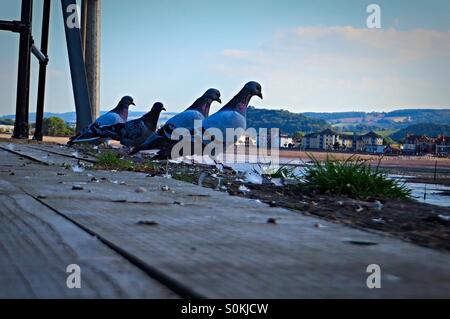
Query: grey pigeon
{"type": "Point", "coordinates": [197, 111]}
{"type": "Point", "coordinates": [119, 114]}
{"type": "Point", "coordinates": [232, 115]}
{"type": "Point", "coordinates": [134, 133]}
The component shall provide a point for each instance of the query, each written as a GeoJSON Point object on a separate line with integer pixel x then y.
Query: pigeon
{"type": "Point", "coordinates": [197, 111]}
{"type": "Point", "coordinates": [117, 115]}
{"type": "Point", "coordinates": [135, 132]}
{"type": "Point", "coordinates": [232, 115]}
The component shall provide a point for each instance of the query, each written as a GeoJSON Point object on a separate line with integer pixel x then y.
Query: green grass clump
{"type": "Point", "coordinates": [110, 160]}
{"type": "Point", "coordinates": [353, 177]}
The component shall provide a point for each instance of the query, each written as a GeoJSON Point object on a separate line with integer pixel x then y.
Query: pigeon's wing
{"type": "Point", "coordinates": [135, 134]}
{"type": "Point", "coordinates": [223, 120]}
{"type": "Point", "coordinates": [163, 137]}
{"type": "Point", "coordinates": [183, 120]}
{"type": "Point", "coordinates": [94, 131]}
{"type": "Point", "coordinates": [109, 118]}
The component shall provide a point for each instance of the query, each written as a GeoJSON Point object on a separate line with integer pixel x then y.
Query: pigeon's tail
{"type": "Point", "coordinates": [154, 144]}
{"type": "Point", "coordinates": [89, 134]}
{"type": "Point", "coordinates": [83, 138]}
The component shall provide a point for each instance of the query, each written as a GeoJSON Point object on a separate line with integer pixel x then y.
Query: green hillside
{"type": "Point", "coordinates": [428, 129]}
{"type": "Point", "coordinates": [287, 122]}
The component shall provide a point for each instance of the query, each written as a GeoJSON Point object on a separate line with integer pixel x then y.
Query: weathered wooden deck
{"type": "Point", "coordinates": [203, 243]}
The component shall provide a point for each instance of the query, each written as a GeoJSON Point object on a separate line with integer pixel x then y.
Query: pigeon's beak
{"type": "Point", "coordinates": [219, 100]}
{"type": "Point", "coordinates": [260, 95]}
{"type": "Point", "coordinates": [132, 103]}
{"type": "Point", "coordinates": [164, 109]}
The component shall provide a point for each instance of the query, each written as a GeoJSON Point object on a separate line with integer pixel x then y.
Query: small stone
{"type": "Point", "coordinates": [318, 225]}
{"type": "Point", "coordinates": [379, 220]}
{"type": "Point", "coordinates": [12, 173]}
{"type": "Point", "coordinates": [42, 197]}
{"type": "Point", "coordinates": [140, 190]}
{"type": "Point", "coordinates": [377, 205]}
{"type": "Point", "coordinates": [271, 221]}
{"type": "Point", "coordinates": [147, 222]}
{"type": "Point", "coordinates": [123, 183]}
{"type": "Point", "coordinates": [178, 203]}
{"type": "Point", "coordinates": [244, 189]}
{"type": "Point", "coordinates": [165, 188]}
{"type": "Point", "coordinates": [77, 187]}
{"type": "Point", "coordinates": [273, 204]}
{"type": "Point", "coordinates": [359, 209]}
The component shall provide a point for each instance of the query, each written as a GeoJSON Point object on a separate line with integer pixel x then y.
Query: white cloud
{"type": "Point", "coordinates": [332, 68]}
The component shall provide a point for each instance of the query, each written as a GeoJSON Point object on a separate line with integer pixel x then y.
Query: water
{"type": "Point", "coordinates": [433, 192]}
{"type": "Point", "coordinates": [252, 170]}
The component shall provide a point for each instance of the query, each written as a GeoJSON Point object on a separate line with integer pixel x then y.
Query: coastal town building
{"type": "Point", "coordinates": [418, 144]}
{"type": "Point", "coordinates": [325, 140]}
{"type": "Point", "coordinates": [328, 140]}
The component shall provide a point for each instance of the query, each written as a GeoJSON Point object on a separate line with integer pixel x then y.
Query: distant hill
{"type": "Point", "coordinates": [429, 129]}
{"type": "Point", "coordinates": [70, 117]}
{"type": "Point", "coordinates": [287, 122]}
{"type": "Point", "coordinates": [397, 117]}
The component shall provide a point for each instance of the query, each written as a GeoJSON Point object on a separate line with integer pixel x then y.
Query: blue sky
{"type": "Point", "coordinates": [308, 55]}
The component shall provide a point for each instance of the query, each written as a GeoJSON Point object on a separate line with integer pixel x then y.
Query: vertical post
{"type": "Point", "coordinates": [77, 68]}
{"type": "Point", "coordinates": [435, 170]}
{"type": "Point", "coordinates": [21, 128]}
{"type": "Point", "coordinates": [83, 24]}
{"type": "Point", "coordinates": [92, 53]}
{"type": "Point", "coordinates": [42, 71]}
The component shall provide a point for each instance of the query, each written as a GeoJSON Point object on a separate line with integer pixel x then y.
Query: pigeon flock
{"type": "Point", "coordinates": [142, 133]}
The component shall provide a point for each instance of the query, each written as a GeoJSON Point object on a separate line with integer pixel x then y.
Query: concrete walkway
{"type": "Point", "coordinates": [158, 237]}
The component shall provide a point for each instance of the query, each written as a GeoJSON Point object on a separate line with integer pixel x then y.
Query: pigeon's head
{"type": "Point", "coordinates": [126, 101]}
{"type": "Point", "coordinates": [253, 88]}
{"type": "Point", "coordinates": [158, 107]}
{"type": "Point", "coordinates": [213, 95]}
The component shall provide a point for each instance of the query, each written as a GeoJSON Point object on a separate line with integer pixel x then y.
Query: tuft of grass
{"type": "Point", "coordinates": [111, 160]}
{"type": "Point", "coordinates": [353, 177]}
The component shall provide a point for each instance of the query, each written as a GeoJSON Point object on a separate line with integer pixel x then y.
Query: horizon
{"type": "Point", "coordinates": [261, 108]}
{"type": "Point", "coordinates": [309, 57]}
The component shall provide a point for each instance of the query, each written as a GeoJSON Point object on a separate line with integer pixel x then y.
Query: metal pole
{"type": "Point", "coordinates": [84, 7]}
{"type": "Point", "coordinates": [21, 128]}
{"type": "Point", "coordinates": [92, 54]}
{"type": "Point", "coordinates": [42, 71]}
{"type": "Point", "coordinates": [77, 68]}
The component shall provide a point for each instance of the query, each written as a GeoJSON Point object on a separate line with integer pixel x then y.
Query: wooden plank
{"type": "Point", "coordinates": [36, 246]}
{"type": "Point", "coordinates": [222, 246]}
{"type": "Point", "coordinates": [64, 151]}
{"type": "Point", "coordinates": [44, 156]}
